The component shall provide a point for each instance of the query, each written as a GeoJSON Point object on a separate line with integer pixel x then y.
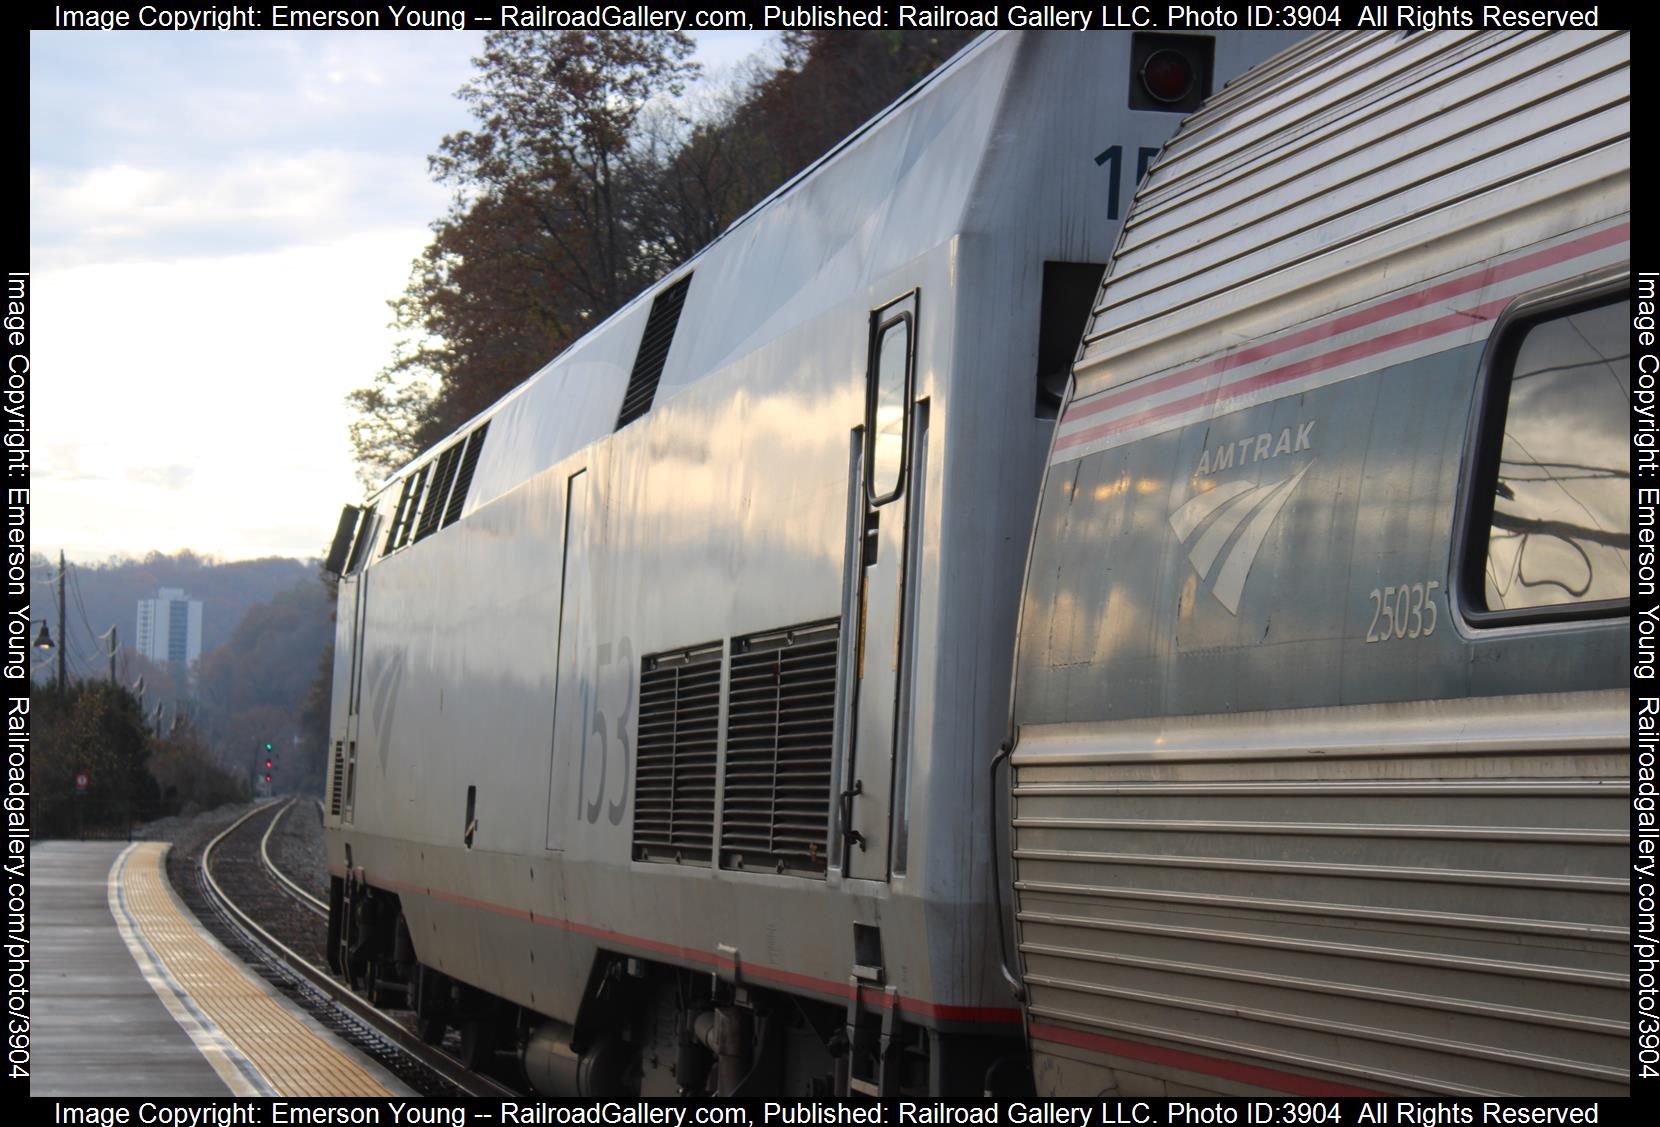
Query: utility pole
{"type": "Point", "coordinates": [114, 646]}
{"type": "Point", "coordinates": [63, 620]}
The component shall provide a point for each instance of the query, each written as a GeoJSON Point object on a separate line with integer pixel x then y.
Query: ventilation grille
{"type": "Point", "coordinates": [335, 564]}
{"type": "Point", "coordinates": [451, 475]}
{"type": "Point", "coordinates": [654, 351]}
{"type": "Point", "coordinates": [674, 770]}
{"type": "Point", "coordinates": [337, 779]}
{"type": "Point", "coordinates": [443, 475]}
{"type": "Point", "coordinates": [409, 502]}
{"type": "Point", "coordinates": [365, 536]}
{"type": "Point", "coordinates": [780, 723]}
{"type": "Point", "coordinates": [397, 517]}
{"type": "Point", "coordinates": [464, 475]}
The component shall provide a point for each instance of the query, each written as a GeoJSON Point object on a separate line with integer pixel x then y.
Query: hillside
{"type": "Point", "coordinates": [106, 593]}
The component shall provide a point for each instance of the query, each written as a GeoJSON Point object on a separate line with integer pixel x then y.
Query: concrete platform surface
{"type": "Point", "coordinates": [132, 997]}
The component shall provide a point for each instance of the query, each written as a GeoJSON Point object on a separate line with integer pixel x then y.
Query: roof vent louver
{"type": "Point", "coordinates": [654, 351]}
{"type": "Point", "coordinates": [365, 538]}
{"type": "Point", "coordinates": [464, 474]}
{"type": "Point", "coordinates": [780, 727]}
{"type": "Point", "coordinates": [409, 502]}
{"type": "Point", "coordinates": [442, 477]}
{"type": "Point", "coordinates": [350, 517]}
{"type": "Point", "coordinates": [674, 766]}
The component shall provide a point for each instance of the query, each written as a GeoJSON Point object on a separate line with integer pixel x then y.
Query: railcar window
{"type": "Point", "coordinates": [1555, 495]}
{"type": "Point", "coordinates": [888, 400]}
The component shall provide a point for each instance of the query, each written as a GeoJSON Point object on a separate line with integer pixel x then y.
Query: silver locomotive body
{"type": "Point", "coordinates": [1321, 783]}
{"type": "Point", "coordinates": [664, 691]}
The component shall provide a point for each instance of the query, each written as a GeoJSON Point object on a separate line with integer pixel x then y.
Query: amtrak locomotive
{"type": "Point", "coordinates": [674, 748]}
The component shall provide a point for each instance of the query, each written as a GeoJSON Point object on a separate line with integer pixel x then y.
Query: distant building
{"type": "Point", "coordinates": [170, 628]}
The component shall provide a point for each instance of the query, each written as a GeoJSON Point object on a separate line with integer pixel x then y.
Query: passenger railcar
{"type": "Point", "coordinates": [1321, 782]}
{"type": "Point", "coordinates": [665, 689]}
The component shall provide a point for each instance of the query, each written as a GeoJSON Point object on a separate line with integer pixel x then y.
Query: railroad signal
{"type": "Point", "coordinates": [269, 751]}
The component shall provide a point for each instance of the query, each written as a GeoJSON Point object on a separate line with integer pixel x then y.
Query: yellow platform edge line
{"type": "Point", "coordinates": [228, 1000]}
{"type": "Point", "coordinates": [236, 1070]}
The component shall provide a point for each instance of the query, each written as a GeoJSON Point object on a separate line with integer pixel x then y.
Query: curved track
{"type": "Point", "coordinates": [259, 942]}
{"type": "Point", "coordinates": [310, 902]}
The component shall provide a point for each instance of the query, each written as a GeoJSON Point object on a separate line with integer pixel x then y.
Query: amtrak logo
{"type": "Point", "coordinates": [1208, 523]}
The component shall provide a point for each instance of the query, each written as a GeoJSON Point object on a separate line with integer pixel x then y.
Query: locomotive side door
{"type": "Point", "coordinates": [573, 684]}
{"type": "Point", "coordinates": [879, 610]}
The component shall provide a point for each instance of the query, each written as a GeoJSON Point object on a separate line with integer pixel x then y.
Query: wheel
{"type": "Point", "coordinates": [478, 1042]}
{"type": "Point", "coordinates": [431, 1030]}
{"type": "Point", "coordinates": [430, 999]}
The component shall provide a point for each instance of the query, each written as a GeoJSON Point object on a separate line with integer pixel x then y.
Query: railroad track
{"type": "Point", "coordinates": [377, 1032]}
{"type": "Point", "coordinates": [311, 903]}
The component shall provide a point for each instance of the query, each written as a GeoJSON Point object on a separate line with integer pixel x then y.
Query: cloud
{"type": "Point", "coordinates": [153, 146]}
{"type": "Point", "coordinates": [123, 212]}
{"type": "Point", "coordinates": [206, 408]}
{"type": "Point", "coordinates": [216, 224]}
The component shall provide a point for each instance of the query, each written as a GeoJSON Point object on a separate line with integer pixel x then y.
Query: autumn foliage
{"type": "Point", "coordinates": [95, 732]}
{"type": "Point", "coordinates": [588, 175]}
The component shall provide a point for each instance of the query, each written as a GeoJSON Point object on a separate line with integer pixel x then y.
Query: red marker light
{"type": "Point", "coordinates": [1167, 76]}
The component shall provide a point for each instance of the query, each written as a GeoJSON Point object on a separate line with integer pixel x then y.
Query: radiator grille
{"type": "Point", "coordinates": [654, 352]}
{"type": "Point", "coordinates": [674, 769]}
{"type": "Point", "coordinates": [464, 473]}
{"type": "Point", "coordinates": [337, 779]}
{"type": "Point", "coordinates": [781, 710]}
{"type": "Point", "coordinates": [407, 500]}
{"type": "Point", "coordinates": [360, 546]}
{"type": "Point", "coordinates": [442, 477]}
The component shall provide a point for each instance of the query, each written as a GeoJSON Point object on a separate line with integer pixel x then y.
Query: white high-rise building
{"type": "Point", "coordinates": [170, 627]}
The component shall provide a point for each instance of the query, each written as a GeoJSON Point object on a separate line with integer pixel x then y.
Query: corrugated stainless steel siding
{"type": "Point", "coordinates": [1422, 911]}
{"type": "Point", "coordinates": [1306, 178]}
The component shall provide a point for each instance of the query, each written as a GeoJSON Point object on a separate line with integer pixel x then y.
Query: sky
{"type": "Point", "coordinates": [217, 221]}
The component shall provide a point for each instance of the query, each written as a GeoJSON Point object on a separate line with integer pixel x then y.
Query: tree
{"type": "Point", "coordinates": [256, 687]}
{"type": "Point", "coordinates": [583, 184]}
{"type": "Point", "coordinates": [91, 728]}
{"type": "Point", "coordinates": [832, 82]}
{"type": "Point", "coordinates": [550, 230]}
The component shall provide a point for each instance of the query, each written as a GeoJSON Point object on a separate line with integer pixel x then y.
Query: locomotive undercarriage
{"type": "Point", "coordinates": [650, 1029]}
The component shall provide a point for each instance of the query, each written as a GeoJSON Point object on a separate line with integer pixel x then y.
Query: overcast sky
{"type": "Point", "coordinates": [217, 221]}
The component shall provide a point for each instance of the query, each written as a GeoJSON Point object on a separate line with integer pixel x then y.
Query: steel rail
{"type": "Point", "coordinates": [313, 903]}
{"type": "Point", "coordinates": [380, 1022]}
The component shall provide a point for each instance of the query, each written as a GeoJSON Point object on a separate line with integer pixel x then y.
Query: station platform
{"type": "Point", "coordinates": [132, 997]}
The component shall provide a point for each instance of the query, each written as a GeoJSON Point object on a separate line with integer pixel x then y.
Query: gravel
{"type": "Point", "coordinates": [190, 832]}
{"type": "Point", "coordinates": [297, 847]}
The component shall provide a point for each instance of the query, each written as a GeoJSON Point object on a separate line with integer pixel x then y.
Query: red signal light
{"type": "Point", "coordinates": [1168, 76]}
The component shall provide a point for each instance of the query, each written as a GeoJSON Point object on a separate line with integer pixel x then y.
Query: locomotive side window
{"type": "Point", "coordinates": [888, 400]}
{"type": "Point", "coordinates": [1550, 521]}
